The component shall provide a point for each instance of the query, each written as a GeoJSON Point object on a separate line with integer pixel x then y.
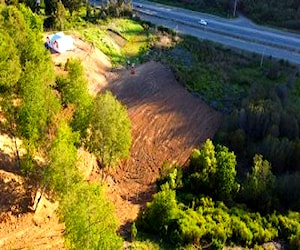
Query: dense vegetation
{"type": "Point", "coordinates": [52, 115]}
{"type": "Point", "coordinates": [183, 211]}
{"type": "Point", "coordinates": [278, 13]}
{"type": "Point", "coordinates": [251, 196]}
{"type": "Point", "coordinates": [258, 98]}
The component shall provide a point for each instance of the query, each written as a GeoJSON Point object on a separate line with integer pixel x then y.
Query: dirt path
{"type": "Point", "coordinates": [167, 123]}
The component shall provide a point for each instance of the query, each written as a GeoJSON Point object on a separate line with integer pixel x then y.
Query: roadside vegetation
{"type": "Point", "coordinates": [285, 14]}
{"type": "Point", "coordinates": [257, 95]}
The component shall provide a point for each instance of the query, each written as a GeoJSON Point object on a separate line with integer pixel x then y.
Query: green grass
{"type": "Point", "coordinates": [221, 76]}
{"type": "Point", "coordinates": [127, 28]}
{"type": "Point", "coordinates": [101, 39]}
{"type": "Point", "coordinates": [136, 39]}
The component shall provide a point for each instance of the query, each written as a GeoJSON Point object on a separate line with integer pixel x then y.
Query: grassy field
{"type": "Point", "coordinates": [122, 40]}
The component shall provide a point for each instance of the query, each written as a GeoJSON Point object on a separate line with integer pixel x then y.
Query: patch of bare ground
{"type": "Point", "coordinates": [95, 63]}
{"type": "Point", "coordinates": [167, 123]}
{"type": "Point", "coordinates": [21, 227]}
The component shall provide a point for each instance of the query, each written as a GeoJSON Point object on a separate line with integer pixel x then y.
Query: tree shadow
{"type": "Point", "coordinates": [9, 163]}
{"type": "Point", "coordinates": [15, 189]}
{"type": "Point", "coordinates": [125, 230]}
{"type": "Point", "coordinates": [142, 197]}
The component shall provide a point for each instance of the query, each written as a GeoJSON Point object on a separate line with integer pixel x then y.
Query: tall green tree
{"type": "Point", "coordinates": [110, 131]}
{"type": "Point", "coordinates": [10, 67]}
{"type": "Point", "coordinates": [226, 184]}
{"type": "Point", "coordinates": [89, 219]}
{"type": "Point", "coordinates": [203, 167]}
{"type": "Point", "coordinates": [74, 89]}
{"type": "Point", "coordinates": [258, 189]}
{"type": "Point", "coordinates": [213, 171]}
{"type": "Point", "coordinates": [60, 16]}
{"type": "Point", "coordinates": [160, 212]}
{"type": "Point", "coordinates": [29, 102]}
{"type": "Point", "coordinates": [62, 172]}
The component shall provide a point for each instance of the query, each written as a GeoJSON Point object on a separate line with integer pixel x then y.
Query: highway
{"type": "Point", "coordinates": [238, 33]}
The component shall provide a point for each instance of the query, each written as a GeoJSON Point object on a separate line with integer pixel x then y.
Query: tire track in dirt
{"type": "Point", "coordinates": [167, 123]}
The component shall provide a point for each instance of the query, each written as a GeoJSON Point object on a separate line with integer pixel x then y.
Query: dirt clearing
{"type": "Point", "coordinates": [167, 123]}
{"type": "Point", "coordinates": [95, 63]}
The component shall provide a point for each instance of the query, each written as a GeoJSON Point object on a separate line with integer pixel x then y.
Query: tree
{"type": "Point", "coordinates": [226, 184]}
{"type": "Point", "coordinates": [38, 103]}
{"type": "Point", "coordinates": [72, 5]}
{"type": "Point", "coordinates": [62, 172]}
{"type": "Point", "coordinates": [33, 20]}
{"type": "Point", "coordinates": [29, 102]}
{"type": "Point", "coordinates": [60, 16]}
{"type": "Point", "coordinates": [203, 167]}
{"type": "Point", "coordinates": [89, 219]}
{"type": "Point", "coordinates": [74, 89]}
{"type": "Point", "coordinates": [10, 67]}
{"type": "Point", "coordinates": [212, 171]}
{"type": "Point", "coordinates": [10, 71]}
{"type": "Point", "coordinates": [110, 135]}
{"type": "Point", "coordinates": [160, 212]}
{"type": "Point", "coordinates": [259, 185]}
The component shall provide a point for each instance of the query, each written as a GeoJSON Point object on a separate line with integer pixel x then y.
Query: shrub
{"type": "Point", "coordinates": [160, 212]}
{"type": "Point", "coordinates": [295, 241]}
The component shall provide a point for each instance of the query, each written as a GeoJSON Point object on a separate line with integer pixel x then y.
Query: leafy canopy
{"type": "Point", "coordinates": [110, 131]}
{"type": "Point", "coordinates": [74, 91]}
{"type": "Point", "coordinates": [89, 219]}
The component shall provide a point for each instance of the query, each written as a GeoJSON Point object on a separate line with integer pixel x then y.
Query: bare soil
{"type": "Point", "coordinates": [167, 123]}
{"type": "Point", "coordinates": [18, 224]}
{"type": "Point", "coordinates": [95, 63]}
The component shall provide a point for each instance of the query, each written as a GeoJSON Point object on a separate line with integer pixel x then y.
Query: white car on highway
{"type": "Point", "coordinates": [202, 22]}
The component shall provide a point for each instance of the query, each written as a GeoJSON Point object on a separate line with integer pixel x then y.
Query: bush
{"type": "Point", "coordinates": [295, 241]}
{"type": "Point", "coordinates": [89, 219]}
{"type": "Point", "coordinates": [160, 212]}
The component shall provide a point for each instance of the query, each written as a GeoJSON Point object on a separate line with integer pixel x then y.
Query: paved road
{"type": "Point", "coordinates": [240, 33]}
